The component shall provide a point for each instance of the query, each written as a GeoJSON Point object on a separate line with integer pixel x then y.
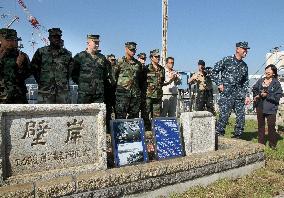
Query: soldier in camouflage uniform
{"type": "Point", "coordinates": [155, 81]}
{"type": "Point", "coordinates": [128, 74]}
{"type": "Point", "coordinates": [51, 69]}
{"type": "Point", "coordinates": [204, 99]}
{"type": "Point", "coordinates": [142, 60]}
{"type": "Point", "coordinates": [90, 72]}
{"type": "Point", "coordinates": [15, 69]}
{"type": "Point", "coordinates": [111, 58]}
{"type": "Point", "coordinates": [233, 87]}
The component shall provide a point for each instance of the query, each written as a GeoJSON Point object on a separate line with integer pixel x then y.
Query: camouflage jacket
{"type": "Point", "coordinates": [204, 82]}
{"type": "Point", "coordinates": [128, 76]}
{"type": "Point", "coordinates": [12, 77]}
{"type": "Point", "coordinates": [90, 73]}
{"type": "Point", "coordinates": [155, 81]}
{"type": "Point", "coordinates": [51, 69]}
{"type": "Point", "coordinates": [233, 74]}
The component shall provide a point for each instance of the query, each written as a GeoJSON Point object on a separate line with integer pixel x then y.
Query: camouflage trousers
{"type": "Point", "coordinates": [143, 109]}
{"type": "Point", "coordinates": [153, 107]}
{"type": "Point", "coordinates": [14, 97]}
{"type": "Point", "coordinates": [110, 108]}
{"type": "Point", "coordinates": [226, 105]}
{"type": "Point", "coordinates": [21, 99]}
{"type": "Point", "coordinates": [15, 100]}
{"type": "Point", "coordinates": [126, 105]}
{"type": "Point", "coordinates": [61, 98]}
{"type": "Point", "coordinates": [204, 101]}
{"type": "Point", "coordinates": [86, 98]}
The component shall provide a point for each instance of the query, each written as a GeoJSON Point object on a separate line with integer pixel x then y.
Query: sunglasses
{"type": "Point", "coordinates": [143, 58]}
{"type": "Point", "coordinates": [157, 56]}
{"type": "Point", "coordinates": [132, 50]}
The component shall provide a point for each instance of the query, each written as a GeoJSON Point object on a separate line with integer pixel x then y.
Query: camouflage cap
{"type": "Point", "coordinates": [141, 55]}
{"type": "Point", "coordinates": [55, 32]}
{"type": "Point", "coordinates": [131, 45]}
{"type": "Point", "coordinates": [155, 52]}
{"type": "Point", "coordinates": [243, 45]}
{"type": "Point", "coordinates": [9, 34]}
{"type": "Point", "coordinates": [111, 56]}
{"type": "Point", "coordinates": [93, 37]}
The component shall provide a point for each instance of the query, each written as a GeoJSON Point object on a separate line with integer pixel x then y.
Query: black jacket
{"type": "Point", "coordinates": [269, 104]}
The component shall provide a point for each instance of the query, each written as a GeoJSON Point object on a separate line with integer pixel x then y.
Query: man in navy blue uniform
{"type": "Point", "coordinates": [231, 76]}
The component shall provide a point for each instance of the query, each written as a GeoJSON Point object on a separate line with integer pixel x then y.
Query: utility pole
{"type": "Point", "coordinates": [164, 31]}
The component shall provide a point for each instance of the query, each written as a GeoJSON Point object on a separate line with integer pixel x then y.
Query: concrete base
{"type": "Point", "coordinates": [203, 181]}
{"type": "Point", "coordinates": [234, 159]}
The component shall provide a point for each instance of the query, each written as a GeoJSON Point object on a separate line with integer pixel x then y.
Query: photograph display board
{"type": "Point", "coordinates": [167, 138]}
{"type": "Point", "coordinates": [128, 139]}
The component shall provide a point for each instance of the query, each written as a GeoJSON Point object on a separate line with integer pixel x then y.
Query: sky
{"type": "Point", "coordinates": [200, 29]}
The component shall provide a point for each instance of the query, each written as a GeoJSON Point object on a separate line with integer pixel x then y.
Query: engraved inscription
{"type": "Point", "coordinates": [74, 131]}
{"type": "Point", "coordinates": [58, 156]}
{"type": "Point", "coordinates": [36, 130]}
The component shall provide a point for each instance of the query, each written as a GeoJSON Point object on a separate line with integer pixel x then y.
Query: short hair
{"type": "Point", "coordinates": [201, 62]}
{"type": "Point", "coordinates": [167, 59]}
{"type": "Point", "coordinates": [273, 68]}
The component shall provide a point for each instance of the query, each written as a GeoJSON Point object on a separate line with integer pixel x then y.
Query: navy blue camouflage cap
{"type": "Point", "coordinates": [94, 37]}
{"type": "Point", "coordinates": [131, 45]}
{"type": "Point", "coordinates": [141, 55]}
{"type": "Point", "coordinates": [243, 44]}
{"type": "Point", "coordinates": [9, 34]}
{"type": "Point", "coordinates": [55, 32]}
{"type": "Point", "coordinates": [155, 52]}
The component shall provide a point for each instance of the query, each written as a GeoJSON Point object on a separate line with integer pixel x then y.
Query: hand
{"type": "Point", "coordinates": [193, 78]}
{"type": "Point", "coordinates": [20, 59]}
{"type": "Point", "coordinates": [172, 75]}
{"type": "Point", "coordinates": [247, 101]}
{"type": "Point", "coordinates": [256, 98]}
{"type": "Point", "coordinates": [264, 94]}
{"type": "Point", "coordinates": [221, 88]}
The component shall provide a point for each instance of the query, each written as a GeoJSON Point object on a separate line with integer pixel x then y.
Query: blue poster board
{"type": "Point", "coordinates": [167, 138]}
{"type": "Point", "coordinates": [128, 139]}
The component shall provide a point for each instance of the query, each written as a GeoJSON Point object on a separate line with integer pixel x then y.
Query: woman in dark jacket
{"type": "Point", "coordinates": [267, 92]}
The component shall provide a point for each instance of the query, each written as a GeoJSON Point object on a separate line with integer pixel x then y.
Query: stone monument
{"type": "Point", "coordinates": [48, 140]}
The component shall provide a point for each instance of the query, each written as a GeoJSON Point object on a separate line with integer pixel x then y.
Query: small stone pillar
{"type": "Point", "coordinates": [198, 129]}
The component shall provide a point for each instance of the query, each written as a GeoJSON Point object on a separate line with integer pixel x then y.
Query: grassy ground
{"type": "Point", "coordinates": [265, 182]}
